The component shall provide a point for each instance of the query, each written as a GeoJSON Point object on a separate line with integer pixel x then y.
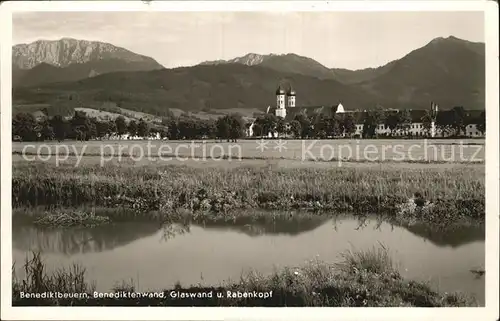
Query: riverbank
{"type": "Point", "coordinates": [361, 279]}
{"type": "Point", "coordinates": [441, 197]}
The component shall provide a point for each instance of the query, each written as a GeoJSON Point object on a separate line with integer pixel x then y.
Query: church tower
{"type": "Point", "coordinates": [291, 97]}
{"type": "Point", "coordinates": [280, 102]}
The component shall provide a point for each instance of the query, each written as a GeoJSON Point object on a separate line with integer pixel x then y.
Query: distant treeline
{"type": "Point", "coordinates": [26, 127]}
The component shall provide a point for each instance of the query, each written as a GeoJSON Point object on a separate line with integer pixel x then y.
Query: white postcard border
{"type": "Point", "coordinates": [490, 312]}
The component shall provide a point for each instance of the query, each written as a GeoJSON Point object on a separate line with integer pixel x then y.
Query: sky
{"type": "Point", "coordinates": [351, 40]}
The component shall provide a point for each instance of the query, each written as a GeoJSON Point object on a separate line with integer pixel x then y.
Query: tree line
{"type": "Point", "coordinates": [26, 127]}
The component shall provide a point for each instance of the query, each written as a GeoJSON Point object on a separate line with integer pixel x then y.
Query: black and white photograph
{"type": "Point", "coordinates": [230, 155]}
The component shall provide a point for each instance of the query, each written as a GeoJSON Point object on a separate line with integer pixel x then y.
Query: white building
{"type": "Point", "coordinates": [286, 108]}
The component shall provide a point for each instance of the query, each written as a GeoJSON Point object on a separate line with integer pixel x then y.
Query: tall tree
{"type": "Point", "coordinates": [392, 122]}
{"type": "Point", "coordinates": [348, 125]}
{"type": "Point", "coordinates": [143, 128]}
{"type": "Point", "coordinates": [163, 133]}
{"type": "Point", "coordinates": [92, 132]}
{"type": "Point", "coordinates": [102, 129]}
{"type": "Point", "coordinates": [427, 121]}
{"type": "Point", "coordinates": [223, 128]}
{"type": "Point", "coordinates": [207, 128]}
{"type": "Point", "coordinates": [321, 126]}
{"type": "Point", "coordinates": [81, 126]}
{"type": "Point", "coordinates": [46, 130]}
{"type": "Point", "coordinates": [24, 125]}
{"type": "Point", "coordinates": [404, 120]}
{"type": "Point", "coordinates": [257, 129]}
{"type": "Point", "coordinates": [173, 129]}
{"type": "Point", "coordinates": [458, 120]}
{"type": "Point", "coordinates": [111, 128]}
{"type": "Point", "coordinates": [237, 127]}
{"type": "Point", "coordinates": [268, 123]}
{"type": "Point", "coordinates": [132, 128]}
{"type": "Point", "coordinates": [60, 127]}
{"type": "Point", "coordinates": [444, 121]}
{"type": "Point", "coordinates": [280, 126]}
{"type": "Point", "coordinates": [295, 128]}
{"type": "Point", "coordinates": [305, 125]}
{"type": "Point", "coordinates": [372, 120]}
{"type": "Point", "coordinates": [188, 128]}
{"type": "Point", "coordinates": [334, 126]}
{"type": "Point", "coordinates": [121, 125]}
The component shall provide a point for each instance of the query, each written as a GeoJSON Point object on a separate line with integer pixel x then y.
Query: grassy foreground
{"type": "Point", "coordinates": [434, 196]}
{"type": "Point", "coordinates": [363, 279]}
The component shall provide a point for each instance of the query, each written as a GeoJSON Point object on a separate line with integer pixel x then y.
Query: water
{"type": "Point", "coordinates": [156, 257]}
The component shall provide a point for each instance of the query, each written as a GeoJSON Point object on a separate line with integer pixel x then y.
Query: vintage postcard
{"type": "Point", "coordinates": [201, 158]}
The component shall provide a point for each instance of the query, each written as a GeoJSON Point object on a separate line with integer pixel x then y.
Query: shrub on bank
{"type": "Point", "coordinates": [69, 218]}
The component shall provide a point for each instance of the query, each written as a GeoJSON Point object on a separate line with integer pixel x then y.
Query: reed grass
{"type": "Point", "coordinates": [67, 218]}
{"type": "Point", "coordinates": [456, 194]}
{"type": "Point", "coordinates": [37, 280]}
{"type": "Point", "coordinates": [364, 280]}
{"type": "Point", "coordinates": [376, 260]}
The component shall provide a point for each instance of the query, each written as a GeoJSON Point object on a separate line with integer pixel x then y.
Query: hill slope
{"type": "Point", "coordinates": [45, 73]}
{"type": "Point", "coordinates": [289, 63]}
{"type": "Point", "coordinates": [221, 86]}
{"type": "Point", "coordinates": [347, 76]}
{"type": "Point", "coordinates": [449, 71]}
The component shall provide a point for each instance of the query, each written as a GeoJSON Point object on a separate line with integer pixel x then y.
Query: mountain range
{"type": "Point", "coordinates": [304, 66]}
{"type": "Point", "coordinates": [68, 59]}
{"type": "Point", "coordinates": [449, 71]}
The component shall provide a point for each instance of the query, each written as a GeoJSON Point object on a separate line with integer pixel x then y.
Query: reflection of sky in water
{"type": "Point", "coordinates": [156, 256]}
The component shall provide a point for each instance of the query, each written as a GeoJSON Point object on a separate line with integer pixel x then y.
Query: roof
{"type": "Point", "coordinates": [308, 111]}
{"type": "Point", "coordinates": [471, 116]}
{"type": "Point", "coordinates": [38, 114]}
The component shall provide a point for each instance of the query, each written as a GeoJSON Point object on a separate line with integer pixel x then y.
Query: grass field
{"type": "Point", "coordinates": [412, 151]}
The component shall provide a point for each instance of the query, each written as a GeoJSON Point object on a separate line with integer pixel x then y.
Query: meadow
{"type": "Point", "coordinates": [347, 150]}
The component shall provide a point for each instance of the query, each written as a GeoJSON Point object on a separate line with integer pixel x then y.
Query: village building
{"type": "Point", "coordinates": [287, 109]}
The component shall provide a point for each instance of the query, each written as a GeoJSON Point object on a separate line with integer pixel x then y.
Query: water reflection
{"type": "Point", "coordinates": [159, 256]}
{"type": "Point", "coordinates": [283, 226]}
{"type": "Point", "coordinates": [79, 240]}
{"type": "Point", "coordinates": [108, 237]}
{"type": "Point", "coordinates": [454, 237]}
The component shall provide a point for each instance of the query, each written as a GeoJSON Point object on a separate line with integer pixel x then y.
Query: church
{"type": "Point", "coordinates": [286, 106]}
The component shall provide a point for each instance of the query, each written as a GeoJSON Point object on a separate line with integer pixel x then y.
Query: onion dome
{"type": "Point", "coordinates": [280, 91]}
{"type": "Point", "coordinates": [291, 92]}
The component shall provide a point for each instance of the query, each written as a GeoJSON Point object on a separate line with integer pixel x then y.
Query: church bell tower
{"type": "Point", "coordinates": [280, 102]}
